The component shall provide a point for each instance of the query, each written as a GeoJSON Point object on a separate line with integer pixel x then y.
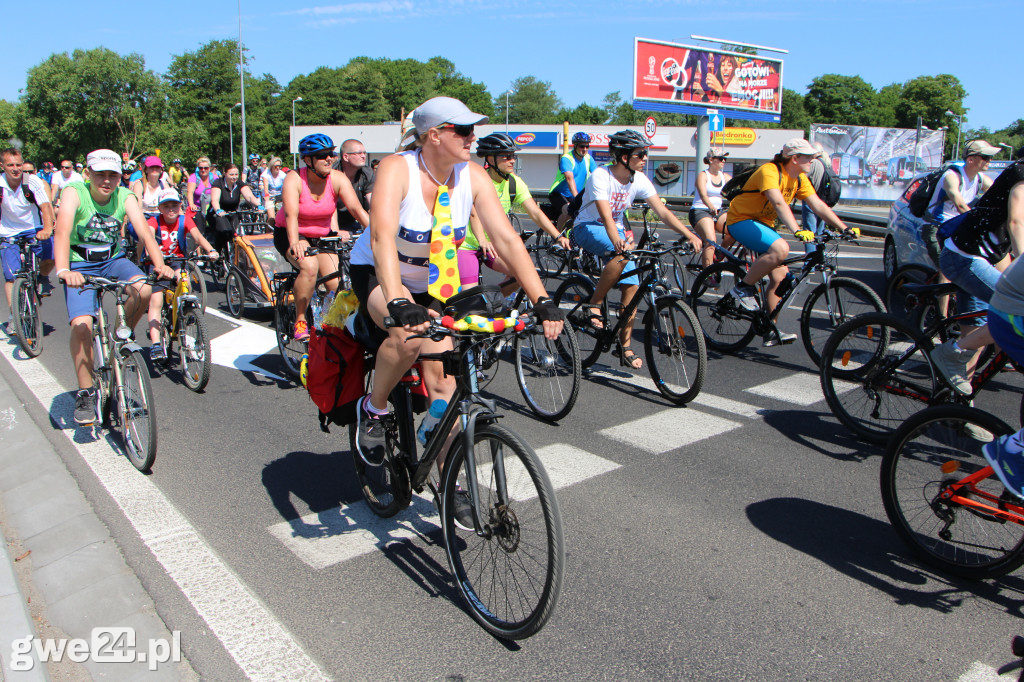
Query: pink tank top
{"type": "Point", "coordinates": [314, 214]}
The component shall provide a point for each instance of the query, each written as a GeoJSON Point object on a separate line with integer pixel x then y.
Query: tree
{"type": "Point", "coordinates": [450, 82]}
{"type": "Point", "coordinates": [794, 115]}
{"type": "Point", "coordinates": [885, 106]}
{"type": "Point", "coordinates": [530, 101]}
{"type": "Point", "coordinates": [929, 97]}
{"type": "Point", "coordinates": [8, 120]}
{"type": "Point", "coordinates": [583, 114]}
{"type": "Point", "coordinates": [840, 99]}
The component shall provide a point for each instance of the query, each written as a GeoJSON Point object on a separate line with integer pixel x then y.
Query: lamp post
{"type": "Point", "coordinates": [506, 110]}
{"type": "Point", "coordinates": [1007, 147]}
{"type": "Point", "coordinates": [241, 81]}
{"type": "Point", "coordinates": [959, 125]}
{"type": "Point", "coordinates": [295, 159]}
{"type": "Point", "coordinates": [231, 130]}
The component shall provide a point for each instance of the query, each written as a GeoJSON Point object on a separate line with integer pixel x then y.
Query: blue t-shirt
{"type": "Point", "coordinates": [137, 175]}
{"type": "Point", "coordinates": [580, 170]}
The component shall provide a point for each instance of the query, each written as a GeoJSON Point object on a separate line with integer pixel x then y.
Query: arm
{"type": "Point", "coordinates": [1015, 219]}
{"type": "Point", "coordinates": [343, 187]}
{"type": "Point", "coordinates": [571, 181]}
{"type": "Point", "coordinates": [393, 178]}
{"type": "Point", "coordinates": [290, 195]}
{"type": "Point", "coordinates": [265, 184]}
{"type": "Point", "coordinates": [951, 185]}
{"type": "Point", "coordinates": [215, 199]}
{"type": "Point", "coordinates": [191, 192]}
{"type": "Point", "coordinates": [137, 188]}
{"type": "Point", "coordinates": [62, 241]}
{"type": "Point", "coordinates": [785, 213]}
{"type": "Point", "coordinates": [250, 197]}
{"type": "Point", "coordinates": [669, 218]}
{"type": "Point", "coordinates": [145, 233]}
{"type": "Point", "coordinates": [202, 241]}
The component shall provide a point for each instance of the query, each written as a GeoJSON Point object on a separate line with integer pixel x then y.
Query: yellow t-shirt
{"type": "Point", "coordinates": [753, 205]}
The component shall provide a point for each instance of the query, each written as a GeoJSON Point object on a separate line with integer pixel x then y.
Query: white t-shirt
{"type": "Point", "coordinates": [602, 185]}
{"type": "Point", "coordinates": [59, 180]}
{"type": "Point", "coordinates": [17, 213]}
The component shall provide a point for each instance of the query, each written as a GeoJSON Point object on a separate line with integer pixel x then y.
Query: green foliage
{"type": "Point", "coordinates": [530, 101]}
{"type": "Point", "coordinates": [840, 99]}
{"type": "Point", "coordinates": [929, 97]}
{"type": "Point", "coordinates": [8, 122]}
{"type": "Point", "coordinates": [794, 114]}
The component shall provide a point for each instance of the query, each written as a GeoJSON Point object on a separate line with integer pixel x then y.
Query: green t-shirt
{"type": "Point", "coordinates": [504, 190]}
{"type": "Point", "coordinates": [95, 226]}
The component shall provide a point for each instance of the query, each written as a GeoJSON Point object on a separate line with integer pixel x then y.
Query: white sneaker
{"type": "Point", "coordinates": [745, 295]}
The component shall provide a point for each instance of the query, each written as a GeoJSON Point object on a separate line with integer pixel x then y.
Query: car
{"type": "Point", "coordinates": [903, 243]}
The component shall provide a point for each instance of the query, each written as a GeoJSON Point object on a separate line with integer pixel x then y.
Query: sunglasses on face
{"type": "Point", "coordinates": [65, 167]}
{"type": "Point", "coordinates": [718, 158]}
{"type": "Point", "coordinates": [642, 154]}
{"type": "Point", "coordinates": [507, 157]}
{"type": "Point", "coordinates": [323, 156]}
{"type": "Point", "coordinates": [204, 168]}
{"type": "Point", "coordinates": [461, 131]}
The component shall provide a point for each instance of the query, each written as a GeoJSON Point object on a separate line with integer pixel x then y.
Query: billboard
{"type": "Point", "coordinates": [877, 163]}
{"type": "Point", "coordinates": [681, 74]}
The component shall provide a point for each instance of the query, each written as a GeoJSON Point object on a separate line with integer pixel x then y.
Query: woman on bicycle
{"type": "Point", "coordinates": [706, 214]}
{"type": "Point", "coordinates": [765, 198]}
{"type": "Point", "coordinates": [273, 184]}
{"type": "Point", "coordinates": [226, 194]}
{"type": "Point", "coordinates": [599, 228]}
{"type": "Point", "coordinates": [170, 227]}
{"type": "Point", "coordinates": [147, 188]}
{"type": "Point", "coordinates": [309, 213]}
{"type": "Point", "coordinates": [390, 265]}
{"type": "Point", "coordinates": [200, 185]}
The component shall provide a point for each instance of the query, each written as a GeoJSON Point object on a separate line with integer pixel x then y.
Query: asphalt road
{"type": "Point", "coordinates": [741, 537]}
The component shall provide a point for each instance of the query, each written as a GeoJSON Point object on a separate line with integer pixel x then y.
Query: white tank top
{"type": "Point", "coordinates": [941, 208]}
{"type": "Point", "coordinates": [151, 197]}
{"type": "Point", "coordinates": [414, 223]}
{"type": "Point", "coordinates": [713, 191]}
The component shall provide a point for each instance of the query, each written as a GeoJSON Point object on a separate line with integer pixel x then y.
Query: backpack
{"type": "Point", "coordinates": [921, 197]}
{"type": "Point", "coordinates": [334, 375]}
{"type": "Point", "coordinates": [734, 187]}
{"type": "Point", "coordinates": [829, 187]}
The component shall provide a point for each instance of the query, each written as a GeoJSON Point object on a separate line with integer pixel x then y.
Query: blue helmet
{"type": "Point", "coordinates": [580, 138]}
{"type": "Point", "coordinates": [317, 142]}
{"type": "Point", "coordinates": [254, 157]}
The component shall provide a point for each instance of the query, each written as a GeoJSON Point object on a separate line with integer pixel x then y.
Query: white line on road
{"type": "Point", "coordinates": [259, 644]}
{"type": "Point", "coordinates": [669, 429]}
{"type": "Point", "coordinates": [800, 389]}
{"type": "Point", "coordinates": [980, 672]}
{"type": "Point", "coordinates": [240, 346]}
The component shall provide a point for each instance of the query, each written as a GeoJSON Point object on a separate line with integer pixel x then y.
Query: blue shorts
{"type": "Point", "coordinates": [975, 277]}
{"type": "Point", "coordinates": [754, 235]}
{"type": "Point", "coordinates": [1008, 332]}
{"type": "Point", "coordinates": [83, 301]}
{"type": "Point", "coordinates": [593, 238]}
{"type": "Point", "coordinates": [10, 254]}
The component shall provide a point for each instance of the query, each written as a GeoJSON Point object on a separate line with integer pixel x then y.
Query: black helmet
{"type": "Point", "coordinates": [626, 141]}
{"type": "Point", "coordinates": [496, 143]}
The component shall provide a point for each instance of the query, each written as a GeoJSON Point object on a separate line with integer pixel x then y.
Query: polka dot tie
{"type": "Point", "coordinates": [443, 279]}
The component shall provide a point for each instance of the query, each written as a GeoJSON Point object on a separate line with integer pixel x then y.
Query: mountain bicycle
{"type": "Point", "coordinates": [181, 321]}
{"type": "Point", "coordinates": [121, 376]}
{"type": "Point", "coordinates": [25, 298]}
{"type": "Point", "coordinates": [509, 569]}
{"type": "Point", "coordinates": [728, 327]}
{"type": "Point", "coordinates": [923, 305]}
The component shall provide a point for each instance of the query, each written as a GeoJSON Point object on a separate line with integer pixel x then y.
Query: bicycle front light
{"type": "Point", "coordinates": [123, 333]}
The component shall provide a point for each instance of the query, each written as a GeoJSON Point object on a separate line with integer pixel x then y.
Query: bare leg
{"type": "Point", "coordinates": [81, 349]}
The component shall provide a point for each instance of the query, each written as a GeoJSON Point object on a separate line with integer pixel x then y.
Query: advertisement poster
{"type": "Point", "coordinates": [877, 163]}
{"type": "Point", "coordinates": [681, 74]}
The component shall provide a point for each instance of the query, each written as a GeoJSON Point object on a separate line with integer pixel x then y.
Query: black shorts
{"type": "Point", "coordinates": [696, 214]}
{"type": "Point", "coordinates": [281, 240]}
{"type": "Point", "coordinates": [557, 202]}
{"type": "Point", "coordinates": [364, 281]}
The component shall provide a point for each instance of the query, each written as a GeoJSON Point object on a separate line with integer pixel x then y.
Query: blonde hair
{"type": "Point", "coordinates": [203, 158]}
{"type": "Point", "coordinates": [273, 160]}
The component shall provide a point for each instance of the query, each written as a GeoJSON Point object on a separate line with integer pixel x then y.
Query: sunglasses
{"type": "Point", "coordinates": [507, 157]}
{"type": "Point", "coordinates": [461, 131]}
{"type": "Point", "coordinates": [204, 168]}
{"type": "Point", "coordinates": [718, 158]}
{"type": "Point", "coordinates": [323, 156]}
{"type": "Point", "coordinates": [583, 146]}
{"type": "Point", "coordinates": [65, 167]}
{"type": "Point", "coordinates": [642, 154]}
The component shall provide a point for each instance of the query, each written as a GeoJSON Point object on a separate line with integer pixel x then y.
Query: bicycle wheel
{"type": "Point", "coordinates": [875, 373]}
{"type": "Point", "coordinates": [674, 346]}
{"type": "Point", "coordinates": [678, 274]}
{"type": "Point", "coordinates": [102, 378]}
{"type": "Point", "coordinates": [573, 296]}
{"type": "Point", "coordinates": [28, 324]}
{"type": "Point", "coordinates": [510, 575]}
{"type": "Point", "coordinates": [950, 526]}
{"type": "Point", "coordinates": [549, 264]}
{"type": "Point", "coordinates": [726, 326]}
{"type": "Point", "coordinates": [197, 283]}
{"type": "Point", "coordinates": [548, 371]}
{"type": "Point", "coordinates": [194, 349]}
{"type": "Point", "coordinates": [234, 293]}
{"type": "Point", "coordinates": [284, 325]}
{"type": "Point", "coordinates": [895, 296]}
{"type": "Point", "coordinates": [137, 411]}
{"type": "Point", "coordinates": [825, 310]}
{"type": "Point", "coordinates": [386, 488]}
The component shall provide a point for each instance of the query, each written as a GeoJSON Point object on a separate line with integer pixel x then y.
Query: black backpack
{"type": "Point", "coordinates": [921, 198]}
{"type": "Point", "coordinates": [734, 187]}
{"type": "Point", "coordinates": [829, 187]}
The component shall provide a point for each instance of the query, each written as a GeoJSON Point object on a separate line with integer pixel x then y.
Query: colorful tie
{"type": "Point", "coordinates": [443, 281]}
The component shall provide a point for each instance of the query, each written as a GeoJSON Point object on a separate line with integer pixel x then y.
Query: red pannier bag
{"type": "Point", "coordinates": [335, 375]}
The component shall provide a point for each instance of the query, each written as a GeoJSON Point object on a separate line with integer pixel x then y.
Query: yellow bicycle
{"type": "Point", "coordinates": [181, 322]}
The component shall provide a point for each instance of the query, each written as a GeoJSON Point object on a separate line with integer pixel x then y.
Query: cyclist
{"type": "Point", "coordinates": [573, 171]}
{"type": "Point", "coordinates": [200, 186]}
{"type": "Point", "coordinates": [499, 153]}
{"type": "Point", "coordinates": [60, 180]}
{"type": "Point", "coordinates": [87, 242]}
{"type": "Point", "coordinates": [126, 174]}
{"type": "Point", "coordinates": [310, 212]}
{"type": "Point", "coordinates": [706, 215]}
{"type": "Point", "coordinates": [353, 164]}
{"type": "Point", "coordinates": [25, 211]}
{"type": "Point", "coordinates": [252, 174]}
{"type": "Point", "coordinates": [226, 195]}
{"type": "Point", "coordinates": [599, 228]}
{"type": "Point", "coordinates": [169, 228]}
{"type": "Point", "coordinates": [176, 173]}
{"type": "Point", "coordinates": [148, 188]}
{"type": "Point", "coordinates": [273, 182]}
{"type": "Point", "coordinates": [765, 198]}
{"type": "Point", "coordinates": [390, 268]}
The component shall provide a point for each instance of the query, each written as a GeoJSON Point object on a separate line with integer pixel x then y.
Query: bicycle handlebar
{"type": "Point", "coordinates": [437, 330]}
{"type": "Point", "coordinates": [19, 241]}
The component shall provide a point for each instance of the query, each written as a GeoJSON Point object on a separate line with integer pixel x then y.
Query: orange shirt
{"type": "Point", "coordinates": [753, 205]}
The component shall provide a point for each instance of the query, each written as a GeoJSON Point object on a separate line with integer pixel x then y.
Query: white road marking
{"type": "Point", "coordinates": [979, 672]}
{"type": "Point", "coordinates": [800, 389]}
{"type": "Point", "coordinates": [240, 346]}
{"type": "Point", "coordinates": [669, 429]}
{"type": "Point", "coordinates": [730, 406]}
{"type": "Point", "coordinates": [349, 531]}
{"type": "Point", "coordinates": [259, 644]}
{"type": "Point", "coordinates": [9, 418]}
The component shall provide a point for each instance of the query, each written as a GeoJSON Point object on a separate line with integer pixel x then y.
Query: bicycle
{"type": "Point", "coordinates": [876, 371]}
{"type": "Point", "coordinates": [673, 342]}
{"type": "Point", "coordinates": [120, 375]}
{"type": "Point", "coordinates": [285, 315]}
{"type": "Point", "coordinates": [728, 327]}
{"type": "Point", "coordinates": [509, 570]}
{"type": "Point", "coordinates": [25, 298]}
{"type": "Point", "coordinates": [924, 305]}
{"type": "Point", "coordinates": [945, 501]}
{"type": "Point", "coordinates": [181, 321]}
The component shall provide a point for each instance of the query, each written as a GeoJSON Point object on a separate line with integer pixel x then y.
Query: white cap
{"type": "Point", "coordinates": [440, 110]}
{"type": "Point", "coordinates": [167, 194]}
{"type": "Point", "coordinates": [104, 160]}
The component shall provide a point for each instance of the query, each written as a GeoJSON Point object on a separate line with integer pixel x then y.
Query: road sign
{"type": "Point", "coordinates": [650, 127]}
{"type": "Point", "coordinates": [716, 121]}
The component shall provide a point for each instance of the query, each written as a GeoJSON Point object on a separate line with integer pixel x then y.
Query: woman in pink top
{"type": "Point", "coordinates": [310, 212]}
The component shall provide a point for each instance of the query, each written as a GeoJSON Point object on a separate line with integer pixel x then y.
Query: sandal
{"type": "Point", "coordinates": [627, 358]}
{"type": "Point", "coordinates": [594, 320]}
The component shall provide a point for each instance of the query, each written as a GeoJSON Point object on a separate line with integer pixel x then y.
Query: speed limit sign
{"type": "Point", "coordinates": [650, 127]}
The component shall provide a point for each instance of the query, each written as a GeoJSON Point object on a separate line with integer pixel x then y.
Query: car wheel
{"type": "Point", "coordinates": [889, 259]}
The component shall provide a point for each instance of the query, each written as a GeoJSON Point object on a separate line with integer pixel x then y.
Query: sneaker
{"type": "Point", "coordinates": [952, 364]}
{"type": "Point", "coordinates": [9, 327]}
{"type": "Point", "coordinates": [745, 295]}
{"type": "Point", "coordinates": [45, 288]}
{"type": "Point", "coordinates": [157, 353]}
{"type": "Point", "coordinates": [1009, 466]}
{"type": "Point", "coordinates": [779, 339]}
{"type": "Point", "coordinates": [371, 435]}
{"type": "Point", "coordinates": [301, 332]}
{"type": "Point", "coordinates": [85, 407]}
{"type": "Point", "coordinates": [463, 510]}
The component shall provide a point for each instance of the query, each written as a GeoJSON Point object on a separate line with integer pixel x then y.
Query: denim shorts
{"type": "Point", "coordinates": [1008, 332]}
{"type": "Point", "coordinates": [756, 236]}
{"type": "Point", "coordinates": [10, 254]}
{"type": "Point", "coordinates": [593, 238]}
{"type": "Point", "coordinates": [83, 301]}
{"type": "Point", "coordinates": [975, 277]}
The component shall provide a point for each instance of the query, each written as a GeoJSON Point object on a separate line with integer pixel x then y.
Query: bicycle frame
{"type": "Point", "coordinates": [966, 494]}
{"type": "Point", "coordinates": [180, 298]}
{"type": "Point", "coordinates": [110, 345]}
{"type": "Point", "coordinates": [645, 291]}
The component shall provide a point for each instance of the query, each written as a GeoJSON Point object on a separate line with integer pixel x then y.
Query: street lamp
{"type": "Point", "coordinates": [231, 130]}
{"type": "Point", "coordinates": [506, 110]}
{"type": "Point", "coordinates": [1006, 146]}
{"type": "Point", "coordinates": [959, 125]}
{"type": "Point", "coordinates": [241, 80]}
{"type": "Point", "coordinates": [295, 160]}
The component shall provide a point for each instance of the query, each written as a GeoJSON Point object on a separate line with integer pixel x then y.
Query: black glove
{"type": "Point", "coordinates": [405, 312]}
{"type": "Point", "coordinates": [545, 310]}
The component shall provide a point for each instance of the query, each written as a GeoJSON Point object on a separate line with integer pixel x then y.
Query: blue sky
{"type": "Point", "coordinates": [583, 48]}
